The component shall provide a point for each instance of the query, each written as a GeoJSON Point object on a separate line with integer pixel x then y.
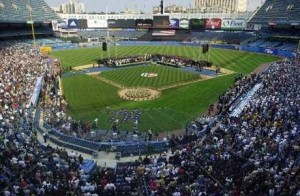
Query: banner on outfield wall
{"type": "Point", "coordinates": [54, 25]}
{"type": "Point", "coordinates": [174, 23]}
{"type": "Point", "coordinates": [233, 24]}
{"type": "Point", "coordinates": [213, 23]}
{"type": "Point", "coordinates": [184, 23]}
{"type": "Point", "coordinates": [97, 24]}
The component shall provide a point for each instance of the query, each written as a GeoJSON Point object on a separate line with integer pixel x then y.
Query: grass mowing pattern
{"type": "Point", "coordinates": [88, 97]}
{"type": "Point", "coordinates": [131, 76]}
{"type": "Point", "coordinates": [237, 61]}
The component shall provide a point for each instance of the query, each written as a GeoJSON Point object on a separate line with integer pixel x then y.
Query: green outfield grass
{"type": "Point", "coordinates": [132, 76]}
{"type": "Point", "coordinates": [242, 62]}
{"type": "Point", "coordinates": [89, 97]}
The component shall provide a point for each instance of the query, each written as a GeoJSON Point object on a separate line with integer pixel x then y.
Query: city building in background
{"type": "Point", "coordinates": [72, 7]}
{"type": "Point", "coordinates": [56, 9]}
{"type": "Point", "coordinates": [217, 6]}
{"type": "Point", "coordinates": [170, 9]}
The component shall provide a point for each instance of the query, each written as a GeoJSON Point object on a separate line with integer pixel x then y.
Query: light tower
{"type": "Point", "coordinates": [162, 7]}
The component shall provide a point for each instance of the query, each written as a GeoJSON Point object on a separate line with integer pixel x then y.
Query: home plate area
{"type": "Point", "coordinates": [149, 75]}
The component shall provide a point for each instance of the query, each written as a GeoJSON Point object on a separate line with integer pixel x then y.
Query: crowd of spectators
{"type": "Point", "coordinates": [27, 167]}
{"type": "Point", "coordinates": [179, 61]}
{"type": "Point", "coordinates": [257, 153]}
{"type": "Point", "coordinates": [126, 60]}
{"type": "Point", "coordinates": [242, 85]}
{"type": "Point", "coordinates": [20, 67]}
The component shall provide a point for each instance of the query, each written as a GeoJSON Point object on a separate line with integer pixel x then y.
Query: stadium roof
{"type": "Point", "coordinates": [16, 11]}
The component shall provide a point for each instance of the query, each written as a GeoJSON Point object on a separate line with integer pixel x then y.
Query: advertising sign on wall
{"type": "Point", "coordinates": [213, 23]}
{"type": "Point", "coordinates": [111, 23]}
{"type": "Point", "coordinates": [233, 24]}
{"type": "Point", "coordinates": [184, 23]}
{"type": "Point", "coordinates": [141, 23]}
{"type": "Point", "coordinates": [97, 24]}
{"type": "Point", "coordinates": [121, 23]}
{"type": "Point", "coordinates": [174, 23]}
{"type": "Point", "coordinates": [73, 23]}
{"type": "Point", "coordinates": [197, 24]}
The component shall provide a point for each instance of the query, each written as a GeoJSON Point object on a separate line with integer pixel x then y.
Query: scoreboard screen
{"type": "Point", "coordinates": [161, 21]}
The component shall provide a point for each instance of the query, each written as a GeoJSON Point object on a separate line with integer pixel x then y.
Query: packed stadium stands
{"type": "Point", "coordinates": [22, 11]}
{"type": "Point", "coordinates": [221, 37]}
{"type": "Point", "coordinates": [17, 18]}
{"type": "Point", "coordinates": [278, 12]}
{"type": "Point", "coordinates": [250, 146]}
{"type": "Point", "coordinates": [194, 159]}
{"type": "Point", "coordinates": [283, 45]}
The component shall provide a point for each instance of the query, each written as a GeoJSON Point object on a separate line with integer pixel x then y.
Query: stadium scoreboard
{"type": "Point", "coordinates": [161, 21]}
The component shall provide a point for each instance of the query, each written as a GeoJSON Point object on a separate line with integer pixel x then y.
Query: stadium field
{"type": "Point", "coordinates": [135, 76]}
{"type": "Point", "coordinates": [89, 98]}
{"type": "Point", "coordinates": [241, 62]}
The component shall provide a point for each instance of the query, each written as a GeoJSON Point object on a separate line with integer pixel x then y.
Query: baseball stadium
{"type": "Point", "coordinates": [180, 101]}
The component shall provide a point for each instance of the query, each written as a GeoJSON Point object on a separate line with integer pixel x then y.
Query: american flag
{"type": "Point", "coordinates": [164, 33]}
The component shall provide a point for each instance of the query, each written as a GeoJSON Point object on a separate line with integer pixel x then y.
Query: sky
{"type": "Point", "coordinates": [137, 5]}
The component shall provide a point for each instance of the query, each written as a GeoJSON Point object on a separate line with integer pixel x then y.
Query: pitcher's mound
{"type": "Point", "coordinates": [139, 94]}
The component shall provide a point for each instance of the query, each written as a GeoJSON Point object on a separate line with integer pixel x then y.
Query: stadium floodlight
{"type": "Point", "coordinates": [31, 23]}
